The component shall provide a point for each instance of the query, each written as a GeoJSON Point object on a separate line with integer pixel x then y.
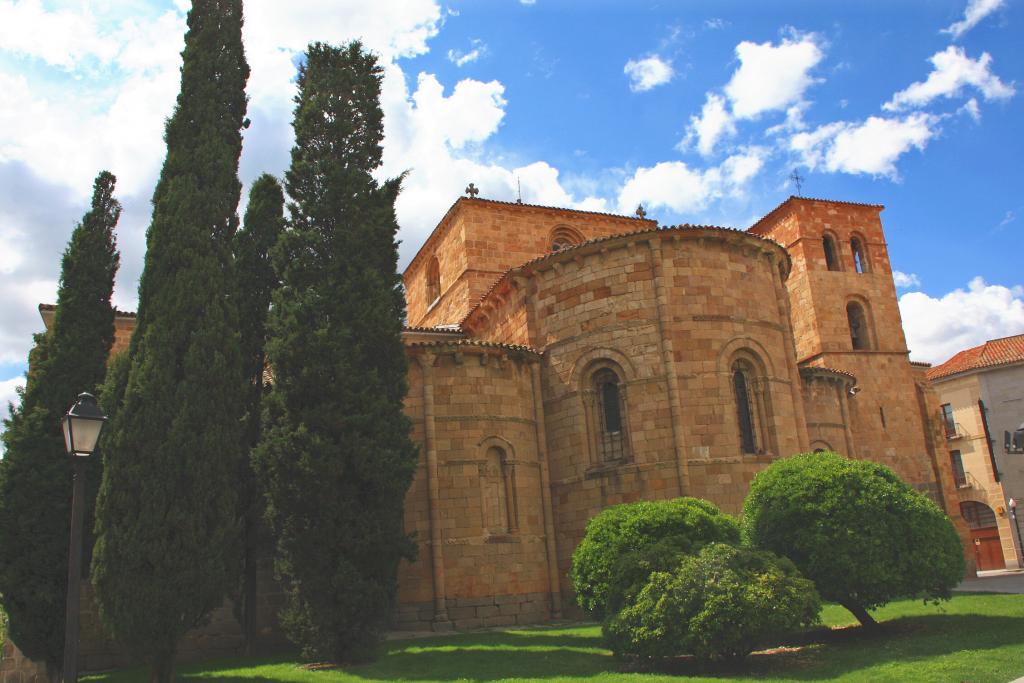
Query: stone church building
{"type": "Point", "coordinates": [562, 361]}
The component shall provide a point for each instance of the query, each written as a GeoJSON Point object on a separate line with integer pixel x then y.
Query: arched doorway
{"type": "Point", "coordinates": [988, 551]}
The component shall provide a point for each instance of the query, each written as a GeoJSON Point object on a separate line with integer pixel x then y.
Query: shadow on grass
{"type": "Point", "coordinates": [816, 655]}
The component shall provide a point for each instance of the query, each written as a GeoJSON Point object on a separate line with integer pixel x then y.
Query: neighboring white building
{"type": "Point", "coordinates": [982, 394]}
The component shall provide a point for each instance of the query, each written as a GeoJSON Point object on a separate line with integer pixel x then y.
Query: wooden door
{"type": "Point", "coordinates": [988, 551]}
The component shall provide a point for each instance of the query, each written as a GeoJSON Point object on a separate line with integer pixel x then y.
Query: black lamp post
{"type": "Point", "coordinates": [82, 427]}
{"type": "Point", "coordinates": [1013, 515]}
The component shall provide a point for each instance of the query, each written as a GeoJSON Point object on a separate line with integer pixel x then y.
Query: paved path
{"type": "Point", "coordinates": [1003, 581]}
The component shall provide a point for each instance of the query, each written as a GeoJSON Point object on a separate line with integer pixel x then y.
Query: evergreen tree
{"type": "Point", "coordinates": [166, 514]}
{"type": "Point", "coordinates": [263, 224]}
{"type": "Point", "coordinates": [336, 458]}
{"type": "Point", "coordinates": [36, 472]}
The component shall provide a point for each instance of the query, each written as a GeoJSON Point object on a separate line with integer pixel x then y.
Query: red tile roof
{"type": "Point", "coordinates": [991, 353]}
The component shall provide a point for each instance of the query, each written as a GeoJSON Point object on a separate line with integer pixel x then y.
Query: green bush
{"type": "Point", "coordinates": [854, 528]}
{"type": "Point", "coordinates": [720, 604]}
{"type": "Point", "coordinates": [624, 544]}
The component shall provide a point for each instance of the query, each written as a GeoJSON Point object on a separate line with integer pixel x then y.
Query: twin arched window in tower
{"type": "Point", "coordinates": [861, 262]}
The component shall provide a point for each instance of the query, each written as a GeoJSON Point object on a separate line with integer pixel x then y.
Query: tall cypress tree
{"type": "Point", "coordinates": [263, 224]}
{"type": "Point", "coordinates": [166, 514]}
{"type": "Point", "coordinates": [336, 459]}
{"type": "Point", "coordinates": [36, 473]}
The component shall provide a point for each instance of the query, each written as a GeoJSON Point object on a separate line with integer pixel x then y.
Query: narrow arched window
{"type": "Point", "coordinates": [860, 335]}
{"type": "Point", "coordinates": [433, 281]}
{"type": "Point", "coordinates": [611, 442]}
{"type": "Point", "coordinates": [499, 495]}
{"type": "Point", "coordinates": [744, 414]}
{"type": "Point", "coordinates": [860, 259]}
{"type": "Point", "coordinates": [829, 246]}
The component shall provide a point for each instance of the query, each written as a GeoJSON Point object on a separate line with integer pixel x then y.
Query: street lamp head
{"type": "Point", "coordinates": [1012, 503]}
{"type": "Point", "coordinates": [82, 426]}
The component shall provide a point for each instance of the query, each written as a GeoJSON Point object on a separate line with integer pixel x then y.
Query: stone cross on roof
{"type": "Point", "coordinates": [640, 212]}
{"type": "Point", "coordinates": [472, 190]}
{"type": "Point", "coordinates": [798, 180]}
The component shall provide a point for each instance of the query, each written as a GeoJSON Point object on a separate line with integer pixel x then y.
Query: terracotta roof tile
{"type": "Point", "coordinates": [991, 353]}
{"type": "Point", "coordinates": [119, 314]}
{"type": "Point", "coordinates": [478, 343]}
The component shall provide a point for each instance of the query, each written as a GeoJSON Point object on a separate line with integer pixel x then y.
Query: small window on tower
{"type": "Point", "coordinates": [860, 258]}
{"type": "Point", "coordinates": [829, 246]}
{"type": "Point", "coordinates": [860, 335]}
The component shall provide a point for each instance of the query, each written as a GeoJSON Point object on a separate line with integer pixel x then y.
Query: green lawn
{"type": "Point", "coordinates": [974, 637]}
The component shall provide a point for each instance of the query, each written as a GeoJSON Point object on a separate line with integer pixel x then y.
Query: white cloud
{"type": "Point", "coordinates": [871, 147]}
{"type": "Point", "coordinates": [460, 58]}
{"type": "Point", "coordinates": [648, 73]}
{"type": "Point", "coordinates": [527, 2]}
{"type": "Point", "coordinates": [975, 11]}
{"type": "Point", "coordinates": [952, 71]}
{"type": "Point", "coordinates": [905, 280]}
{"type": "Point", "coordinates": [713, 124]}
{"type": "Point", "coordinates": [937, 328]}
{"type": "Point", "coordinates": [682, 189]}
{"type": "Point", "coordinates": [8, 395]}
{"type": "Point", "coordinates": [971, 109]}
{"type": "Point", "coordinates": [772, 77]}
{"type": "Point", "coordinates": [437, 138]}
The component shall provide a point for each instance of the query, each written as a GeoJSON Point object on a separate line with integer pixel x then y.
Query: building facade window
{"type": "Point", "coordinates": [745, 406]}
{"type": "Point", "coordinates": [948, 423]}
{"type": "Point", "coordinates": [498, 493]}
{"type": "Point", "coordinates": [433, 281]}
{"type": "Point", "coordinates": [611, 429]}
{"type": "Point", "coordinates": [959, 474]}
{"type": "Point", "coordinates": [860, 255]}
{"type": "Point", "coordinates": [860, 334]}
{"type": "Point", "coordinates": [828, 244]}
{"type": "Point", "coordinates": [977, 515]}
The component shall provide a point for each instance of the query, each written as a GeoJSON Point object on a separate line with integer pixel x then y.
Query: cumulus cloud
{"type": "Point", "coordinates": [772, 77]}
{"type": "Point", "coordinates": [952, 71]}
{"type": "Point", "coordinates": [937, 328]}
{"type": "Point", "coordinates": [905, 280]}
{"type": "Point", "coordinates": [714, 123]}
{"type": "Point", "coordinates": [975, 11]}
{"type": "Point", "coordinates": [871, 147]}
{"type": "Point", "coordinates": [676, 186]}
{"type": "Point", "coordinates": [650, 72]}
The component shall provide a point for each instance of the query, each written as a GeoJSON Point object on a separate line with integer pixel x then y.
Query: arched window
{"type": "Point", "coordinates": [433, 281]}
{"type": "Point", "coordinates": [611, 427]}
{"type": "Point", "coordinates": [498, 492]}
{"type": "Point", "coordinates": [860, 255]}
{"type": "Point", "coordinates": [564, 237]}
{"type": "Point", "coordinates": [977, 515]}
{"type": "Point", "coordinates": [828, 244]}
{"type": "Point", "coordinates": [745, 406]}
{"type": "Point", "coordinates": [860, 334]}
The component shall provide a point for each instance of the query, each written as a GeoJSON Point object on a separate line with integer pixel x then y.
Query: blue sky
{"type": "Point", "coordinates": [699, 110]}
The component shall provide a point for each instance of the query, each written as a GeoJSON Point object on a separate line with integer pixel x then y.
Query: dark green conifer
{"type": "Point", "coordinates": [336, 458]}
{"type": "Point", "coordinates": [263, 224]}
{"type": "Point", "coordinates": [166, 514]}
{"type": "Point", "coordinates": [36, 472]}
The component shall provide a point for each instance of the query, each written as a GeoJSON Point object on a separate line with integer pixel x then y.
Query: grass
{"type": "Point", "coordinates": [974, 637]}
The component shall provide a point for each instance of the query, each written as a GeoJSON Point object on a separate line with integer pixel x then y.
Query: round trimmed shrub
{"type": "Point", "coordinates": [625, 543]}
{"type": "Point", "coordinates": [854, 528]}
{"type": "Point", "coordinates": [721, 604]}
